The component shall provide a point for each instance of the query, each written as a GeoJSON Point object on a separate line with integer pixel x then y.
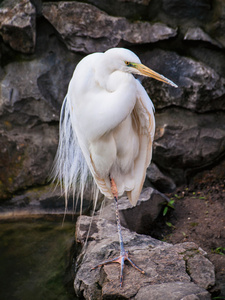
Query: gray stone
{"type": "Point", "coordinates": [27, 142]}
{"type": "Point", "coordinates": [172, 291]}
{"type": "Point", "coordinates": [163, 263]}
{"type": "Point", "coordinates": [200, 88]}
{"type": "Point", "coordinates": [93, 30]}
{"type": "Point", "coordinates": [187, 141]}
{"type": "Point", "coordinates": [137, 218]}
{"type": "Point", "coordinates": [197, 34]}
{"type": "Point", "coordinates": [29, 87]}
{"type": "Point", "coordinates": [211, 56]}
{"type": "Point", "coordinates": [30, 101]}
{"type": "Point", "coordinates": [202, 271]}
{"type": "Point", "coordinates": [22, 152]}
{"type": "Point", "coordinates": [160, 181]}
{"type": "Point", "coordinates": [20, 92]}
{"type": "Point", "coordinates": [18, 25]}
{"type": "Point", "coordinates": [43, 200]}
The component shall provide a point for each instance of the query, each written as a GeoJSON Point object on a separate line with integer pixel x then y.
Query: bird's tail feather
{"type": "Point", "coordinates": [70, 169]}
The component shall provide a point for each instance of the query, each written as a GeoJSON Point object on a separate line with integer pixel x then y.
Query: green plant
{"type": "Point", "coordinates": [178, 197]}
{"type": "Point", "coordinates": [219, 250]}
{"type": "Point", "coordinates": [169, 204]}
{"type": "Point", "coordinates": [170, 225]}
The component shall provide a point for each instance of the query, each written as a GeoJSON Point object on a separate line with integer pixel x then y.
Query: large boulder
{"type": "Point", "coordinates": [31, 93]}
{"type": "Point", "coordinates": [92, 30]}
{"type": "Point", "coordinates": [23, 151]}
{"type": "Point", "coordinates": [186, 141]}
{"type": "Point", "coordinates": [200, 88]}
{"type": "Point", "coordinates": [165, 266]}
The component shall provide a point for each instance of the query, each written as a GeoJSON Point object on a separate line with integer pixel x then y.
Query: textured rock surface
{"type": "Point", "coordinates": [146, 211]}
{"type": "Point", "coordinates": [202, 271]}
{"type": "Point", "coordinates": [197, 34]}
{"type": "Point", "coordinates": [186, 141]}
{"type": "Point", "coordinates": [173, 291]}
{"type": "Point", "coordinates": [18, 25]}
{"type": "Point", "coordinates": [165, 266]}
{"type": "Point", "coordinates": [200, 88]}
{"type": "Point", "coordinates": [45, 200]}
{"type": "Point", "coordinates": [29, 109]}
{"type": "Point", "coordinates": [160, 181]}
{"type": "Point", "coordinates": [89, 31]}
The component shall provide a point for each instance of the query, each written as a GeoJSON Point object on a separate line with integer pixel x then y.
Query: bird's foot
{"type": "Point", "coordinates": [120, 259]}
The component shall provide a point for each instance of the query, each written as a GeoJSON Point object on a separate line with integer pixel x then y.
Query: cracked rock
{"type": "Point", "coordinates": [89, 29]}
{"type": "Point", "coordinates": [18, 25]}
{"type": "Point", "coordinates": [164, 264]}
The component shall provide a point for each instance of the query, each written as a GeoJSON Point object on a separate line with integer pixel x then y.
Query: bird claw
{"type": "Point", "coordinates": [120, 259]}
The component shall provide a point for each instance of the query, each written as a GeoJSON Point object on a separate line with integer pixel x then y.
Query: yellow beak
{"type": "Point", "coordinates": [150, 73]}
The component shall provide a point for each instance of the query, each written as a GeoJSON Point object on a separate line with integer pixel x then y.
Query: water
{"type": "Point", "coordinates": [36, 260]}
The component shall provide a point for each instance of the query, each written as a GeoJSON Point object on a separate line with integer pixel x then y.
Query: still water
{"type": "Point", "coordinates": [36, 259]}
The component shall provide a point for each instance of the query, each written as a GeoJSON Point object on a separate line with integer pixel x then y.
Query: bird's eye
{"type": "Point", "coordinates": [127, 63]}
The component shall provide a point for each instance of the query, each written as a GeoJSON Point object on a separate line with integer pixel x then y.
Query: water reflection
{"type": "Point", "coordinates": [35, 259]}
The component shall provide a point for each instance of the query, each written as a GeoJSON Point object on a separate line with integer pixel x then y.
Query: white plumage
{"type": "Point", "coordinates": [106, 118]}
{"type": "Point", "coordinates": [107, 128]}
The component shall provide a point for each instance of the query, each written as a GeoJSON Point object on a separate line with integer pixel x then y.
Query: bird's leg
{"type": "Point", "coordinates": [123, 254]}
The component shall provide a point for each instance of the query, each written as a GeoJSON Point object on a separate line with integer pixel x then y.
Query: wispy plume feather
{"type": "Point", "coordinates": [70, 168]}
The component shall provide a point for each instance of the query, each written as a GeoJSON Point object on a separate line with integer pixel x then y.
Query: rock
{"type": "Point", "coordinates": [146, 211]}
{"type": "Point", "coordinates": [217, 25]}
{"type": "Point", "coordinates": [26, 144]}
{"type": "Point", "coordinates": [186, 142]}
{"type": "Point", "coordinates": [160, 181]}
{"type": "Point", "coordinates": [36, 93]}
{"type": "Point", "coordinates": [163, 263]}
{"type": "Point", "coordinates": [200, 88]}
{"type": "Point", "coordinates": [20, 93]}
{"type": "Point", "coordinates": [197, 34]}
{"type": "Point", "coordinates": [30, 101]}
{"type": "Point", "coordinates": [23, 151]}
{"type": "Point", "coordinates": [202, 271]}
{"type": "Point", "coordinates": [173, 291]}
{"type": "Point", "coordinates": [42, 200]}
{"type": "Point", "coordinates": [187, 9]}
{"type": "Point", "coordinates": [18, 25]}
{"type": "Point", "coordinates": [90, 31]}
{"type": "Point", "coordinates": [211, 56]}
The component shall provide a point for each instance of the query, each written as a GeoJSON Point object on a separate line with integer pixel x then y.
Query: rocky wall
{"type": "Point", "coordinates": [41, 43]}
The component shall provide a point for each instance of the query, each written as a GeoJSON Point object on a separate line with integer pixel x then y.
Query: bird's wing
{"type": "Point", "coordinates": [143, 118]}
{"type": "Point", "coordinates": [83, 144]}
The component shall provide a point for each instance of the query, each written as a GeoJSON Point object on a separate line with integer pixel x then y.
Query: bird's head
{"type": "Point", "coordinates": [126, 61]}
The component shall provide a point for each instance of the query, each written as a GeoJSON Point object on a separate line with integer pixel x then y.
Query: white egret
{"type": "Point", "coordinates": [107, 127]}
